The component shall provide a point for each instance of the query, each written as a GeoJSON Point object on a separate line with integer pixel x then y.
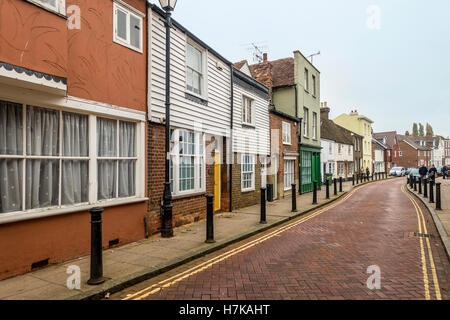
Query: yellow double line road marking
{"type": "Point", "coordinates": [421, 222]}
{"type": "Point", "coordinates": [206, 265]}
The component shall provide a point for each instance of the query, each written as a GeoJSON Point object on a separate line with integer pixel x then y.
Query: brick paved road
{"type": "Point", "coordinates": [324, 257]}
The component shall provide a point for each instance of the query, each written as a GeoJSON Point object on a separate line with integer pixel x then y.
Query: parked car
{"type": "Point", "coordinates": [397, 172]}
{"type": "Point", "coordinates": [414, 174]}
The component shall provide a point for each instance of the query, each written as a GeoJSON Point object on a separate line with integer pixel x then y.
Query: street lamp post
{"type": "Point", "coordinates": [167, 228]}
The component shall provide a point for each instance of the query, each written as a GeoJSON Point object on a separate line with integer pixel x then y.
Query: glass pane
{"type": "Point", "coordinates": [189, 79]}
{"type": "Point", "coordinates": [127, 139]}
{"type": "Point", "coordinates": [107, 176]}
{"type": "Point", "coordinates": [50, 2]}
{"type": "Point", "coordinates": [10, 185]}
{"type": "Point", "coordinates": [75, 135]}
{"type": "Point", "coordinates": [75, 182]}
{"type": "Point", "coordinates": [106, 137]}
{"type": "Point", "coordinates": [11, 128]}
{"type": "Point", "coordinates": [42, 184]}
{"type": "Point", "coordinates": [135, 31]}
{"type": "Point", "coordinates": [121, 24]}
{"type": "Point", "coordinates": [42, 132]}
{"type": "Point", "coordinates": [196, 83]}
{"type": "Point", "coordinates": [127, 178]}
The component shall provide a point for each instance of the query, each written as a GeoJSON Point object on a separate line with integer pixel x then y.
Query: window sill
{"type": "Point", "coordinates": [126, 45]}
{"type": "Point", "coordinates": [247, 190]}
{"type": "Point", "coordinates": [196, 98]}
{"type": "Point", "coordinates": [287, 144]}
{"type": "Point", "coordinates": [190, 195]}
{"type": "Point", "coordinates": [7, 218]}
{"type": "Point", "coordinates": [248, 126]}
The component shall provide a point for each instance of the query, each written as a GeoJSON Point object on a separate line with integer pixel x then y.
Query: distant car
{"type": "Point", "coordinates": [397, 172]}
{"type": "Point", "coordinates": [414, 174]}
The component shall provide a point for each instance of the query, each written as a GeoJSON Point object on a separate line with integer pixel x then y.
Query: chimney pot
{"type": "Point", "coordinates": [265, 57]}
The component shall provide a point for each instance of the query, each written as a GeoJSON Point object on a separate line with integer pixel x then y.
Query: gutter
{"type": "Point", "coordinates": [231, 157]}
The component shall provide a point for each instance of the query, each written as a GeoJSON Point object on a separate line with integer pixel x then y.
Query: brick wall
{"type": "Point", "coordinates": [276, 123]}
{"type": "Point", "coordinates": [186, 210]}
{"type": "Point", "coordinates": [245, 199]}
{"type": "Point", "coordinates": [411, 157]}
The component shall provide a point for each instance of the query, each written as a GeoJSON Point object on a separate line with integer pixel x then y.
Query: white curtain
{"type": "Point", "coordinates": [11, 143]}
{"type": "Point", "coordinates": [107, 147]}
{"type": "Point", "coordinates": [127, 168]}
{"type": "Point", "coordinates": [42, 175]}
{"type": "Point", "coordinates": [75, 173]}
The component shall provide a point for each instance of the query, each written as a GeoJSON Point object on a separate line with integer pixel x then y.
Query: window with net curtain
{"type": "Point", "coordinates": [44, 158]}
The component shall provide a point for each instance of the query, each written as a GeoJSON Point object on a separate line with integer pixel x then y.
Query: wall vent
{"type": "Point", "coordinates": [114, 242]}
{"type": "Point", "coordinates": [39, 264]}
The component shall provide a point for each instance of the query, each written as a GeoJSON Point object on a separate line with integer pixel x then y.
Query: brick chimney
{"type": "Point", "coordinates": [324, 111]}
{"type": "Point", "coordinates": [265, 57]}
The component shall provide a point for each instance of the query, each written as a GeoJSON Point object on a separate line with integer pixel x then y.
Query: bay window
{"type": "Point", "coordinates": [187, 162]}
{"type": "Point", "coordinates": [48, 158]}
{"type": "Point", "coordinates": [248, 173]}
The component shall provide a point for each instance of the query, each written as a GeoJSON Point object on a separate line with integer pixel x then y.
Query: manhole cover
{"type": "Point", "coordinates": [422, 235]}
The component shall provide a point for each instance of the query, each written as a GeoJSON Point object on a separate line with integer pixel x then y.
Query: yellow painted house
{"type": "Point", "coordinates": [361, 125]}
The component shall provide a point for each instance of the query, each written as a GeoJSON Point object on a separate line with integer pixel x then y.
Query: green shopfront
{"type": "Point", "coordinates": [309, 168]}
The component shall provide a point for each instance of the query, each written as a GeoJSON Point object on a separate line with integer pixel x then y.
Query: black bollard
{"type": "Point", "coordinates": [438, 196]}
{"type": "Point", "coordinates": [431, 192]}
{"type": "Point", "coordinates": [263, 206]}
{"type": "Point", "coordinates": [294, 198]}
{"type": "Point", "coordinates": [415, 184]}
{"type": "Point", "coordinates": [340, 184]}
{"type": "Point", "coordinates": [357, 178]}
{"type": "Point", "coordinates": [420, 185]}
{"type": "Point", "coordinates": [270, 193]}
{"type": "Point", "coordinates": [335, 186]}
{"type": "Point", "coordinates": [315, 192]}
{"type": "Point", "coordinates": [425, 188]}
{"type": "Point", "coordinates": [210, 218]}
{"type": "Point", "coordinates": [353, 179]}
{"type": "Point", "coordinates": [96, 247]}
{"type": "Point", "coordinates": [327, 184]}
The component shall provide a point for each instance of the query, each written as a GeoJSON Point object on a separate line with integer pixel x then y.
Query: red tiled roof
{"type": "Point", "coordinates": [283, 72]}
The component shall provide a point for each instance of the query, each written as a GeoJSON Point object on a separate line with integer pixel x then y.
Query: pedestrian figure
{"type": "Point", "coordinates": [368, 173]}
{"type": "Point", "coordinates": [432, 173]}
{"type": "Point", "coordinates": [423, 171]}
{"type": "Point", "coordinates": [444, 172]}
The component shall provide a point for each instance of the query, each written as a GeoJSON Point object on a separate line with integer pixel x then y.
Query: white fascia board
{"type": "Point", "coordinates": [14, 78]}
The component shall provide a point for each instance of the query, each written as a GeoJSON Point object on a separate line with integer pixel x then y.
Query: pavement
{"type": "Point", "coordinates": [376, 243]}
{"type": "Point", "coordinates": [441, 217]}
{"type": "Point", "coordinates": [130, 264]}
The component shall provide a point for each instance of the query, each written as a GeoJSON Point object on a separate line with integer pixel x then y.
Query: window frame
{"type": "Point", "coordinates": [306, 80]}
{"type": "Point", "coordinates": [286, 133]}
{"type": "Point", "coordinates": [92, 157]}
{"type": "Point", "coordinates": [305, 122]}
{"type": "Point", "coordinates": [59, 8]}
{"type": "Point", "coordinates": [128, 10]}
{"type": "Point", "coordinates": [199, 166]}
{"type": "Point", "coordinates": [289, 163]}
{"type": "Point", "coordinates": [314, 93]}
{"type": "Point", "coordinates": [314, 125]}
{"type": "Point", "coordinates": [252, 111]}
{"type": "Point", "coordinates": [204, 74]}
{"type": "Point", "coordinates": [253, 172]}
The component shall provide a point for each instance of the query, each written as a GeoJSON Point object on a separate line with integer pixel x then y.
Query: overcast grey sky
{"type": "Point", "coordinates": [395, 75]}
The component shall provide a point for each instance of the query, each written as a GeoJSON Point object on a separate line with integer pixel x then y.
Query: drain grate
{"type": "Point", "coordinates": [422, 235]}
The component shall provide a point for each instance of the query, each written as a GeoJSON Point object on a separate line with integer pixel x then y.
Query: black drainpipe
{"type": "Point", "coordinates": [231, 157]}
{"type": "Point", "coordinates": [299, 141]}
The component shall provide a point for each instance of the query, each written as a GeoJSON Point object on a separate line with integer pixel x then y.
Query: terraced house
{"type": "Point", "coordinates": [72, 123]}
{"type": "Point", "coordinates": [219, 127]}
{"type": "Point", "coordinates": [294, 84]}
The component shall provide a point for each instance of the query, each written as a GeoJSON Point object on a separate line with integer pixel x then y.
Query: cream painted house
{"type": "Point", "coordinates": [363, 126]}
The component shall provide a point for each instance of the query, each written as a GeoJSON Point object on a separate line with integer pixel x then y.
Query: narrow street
{"type": "Point", "coordinates": [323, 255]}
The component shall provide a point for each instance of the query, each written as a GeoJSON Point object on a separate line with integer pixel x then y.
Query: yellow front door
{"type": "Point", "coordinates": [217, 182]}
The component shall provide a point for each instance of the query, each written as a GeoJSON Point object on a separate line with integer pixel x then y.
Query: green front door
{"type": "Point", "coordinates": [310, 169]}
